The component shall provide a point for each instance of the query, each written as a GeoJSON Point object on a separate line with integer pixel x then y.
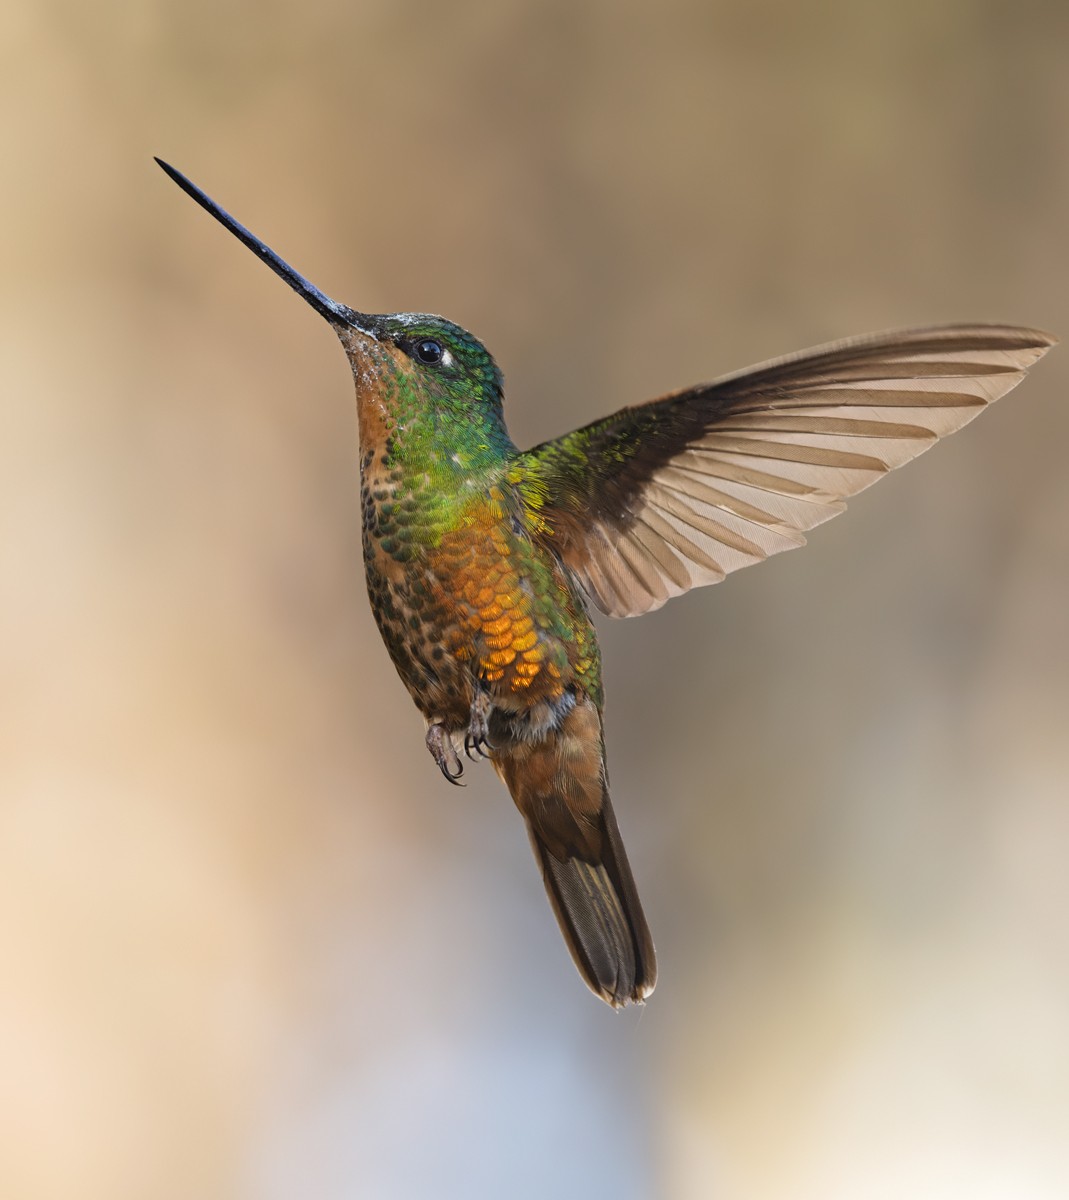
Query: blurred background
{"type": "Point", "coordinates": [252, 946]}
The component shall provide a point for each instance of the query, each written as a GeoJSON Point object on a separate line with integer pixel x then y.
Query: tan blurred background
{"type": "Point", "coordinates": [252, 946]}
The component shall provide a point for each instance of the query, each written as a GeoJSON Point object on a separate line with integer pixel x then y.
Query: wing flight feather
{"type": "Point", "coordinates": [670, 495]}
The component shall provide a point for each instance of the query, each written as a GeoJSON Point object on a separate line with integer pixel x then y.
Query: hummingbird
{"type": "Point", "coordinates": [484, 561]}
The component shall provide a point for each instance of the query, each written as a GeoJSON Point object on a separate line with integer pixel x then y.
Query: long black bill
{"type": "Point", "coordinates": [335, 313]}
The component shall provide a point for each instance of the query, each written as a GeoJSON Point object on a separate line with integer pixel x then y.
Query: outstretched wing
{"type": "Point", "coordinates": [655, 500]}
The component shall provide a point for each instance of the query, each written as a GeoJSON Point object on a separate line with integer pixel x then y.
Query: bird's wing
{"type": "Point", "coordinates": [655, 500]}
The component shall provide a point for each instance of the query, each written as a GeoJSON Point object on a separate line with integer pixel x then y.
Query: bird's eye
{"type": "Point", "coordinates": [429, 352]}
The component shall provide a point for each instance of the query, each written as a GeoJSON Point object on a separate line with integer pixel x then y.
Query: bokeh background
{"type": "Point", "coordinates": [252, 946]}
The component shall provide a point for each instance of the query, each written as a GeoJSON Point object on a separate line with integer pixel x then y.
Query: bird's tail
{"type": "Point", "coordinates": [558, 784]}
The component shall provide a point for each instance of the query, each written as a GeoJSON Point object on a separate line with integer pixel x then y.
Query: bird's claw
{"type": "Point", "coordinates": [477, 740]}
{"type": "Point", "coordinates": [444, 753]}
{"type": "Point", "coordinates": [476, 746]}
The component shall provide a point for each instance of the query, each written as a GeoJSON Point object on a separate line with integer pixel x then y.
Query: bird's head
{"type": "Point", "coordinates": [399, 360]}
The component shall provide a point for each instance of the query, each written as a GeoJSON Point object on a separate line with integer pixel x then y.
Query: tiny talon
{"type": "Point", "coordinates": [440, 744]}
{"type": "Point", "coordinates": [454, 778]}
{"type": "Point", "coordinates": [477, 740]}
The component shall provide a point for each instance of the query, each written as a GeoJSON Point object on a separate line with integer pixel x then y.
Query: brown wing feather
{"type": "Point", "coordinates": [655, 500]}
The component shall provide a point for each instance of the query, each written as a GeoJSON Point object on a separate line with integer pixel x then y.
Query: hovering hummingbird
{"type": "Point", "coordinates": [482, 559]}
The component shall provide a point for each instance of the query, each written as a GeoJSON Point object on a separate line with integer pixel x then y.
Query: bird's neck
{"type": "Point", "coordinates": [412, 434]}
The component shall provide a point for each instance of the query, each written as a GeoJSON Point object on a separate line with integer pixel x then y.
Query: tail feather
{"type": "Point", "coordinates": [598, 909]}
{"type": "Point", "coordinates": [558, 784]}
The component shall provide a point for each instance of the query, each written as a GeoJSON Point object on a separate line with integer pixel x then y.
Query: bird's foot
{"type": "Point", "coordinates": [477, 739]}
{"type": "Point", "coordinates": [444, 753]}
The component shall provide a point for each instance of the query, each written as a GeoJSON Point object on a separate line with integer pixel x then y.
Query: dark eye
{"type": "Point", "coordinates": [429, 352]}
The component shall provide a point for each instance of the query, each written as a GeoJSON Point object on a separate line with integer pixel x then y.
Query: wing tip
{"type": "Point", "coordinates": [994, 335]}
